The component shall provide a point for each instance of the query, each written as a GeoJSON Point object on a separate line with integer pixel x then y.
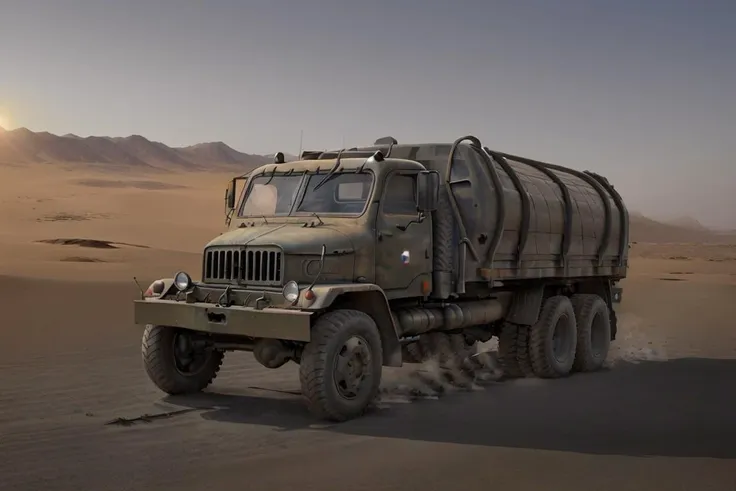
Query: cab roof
{"type": "Point", "coordinates": [346, 164]}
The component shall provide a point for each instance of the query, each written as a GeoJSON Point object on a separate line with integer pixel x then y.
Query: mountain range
{"type": "Point", "coordinates": [679, 230]}
{"type": "Point", "coordinates": [23, 146]}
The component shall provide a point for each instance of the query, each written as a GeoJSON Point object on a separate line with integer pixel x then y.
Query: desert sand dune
{"type": "Point", "coordinates": [73, 389]}
{"type": "Point", "coordinates": [23, 146]}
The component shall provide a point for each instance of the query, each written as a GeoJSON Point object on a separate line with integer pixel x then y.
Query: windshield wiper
{"type": "Point", "coordinates": [331, 173]}
{"type": "Point", "coordinates": [310, 224]}
{"type": "Point", "coordinates": [273, 173]}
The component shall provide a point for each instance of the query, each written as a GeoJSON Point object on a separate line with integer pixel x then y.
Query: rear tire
{"type": "Point", "coordinates": [554, 339]}
{"type": "Point", "coordinates": [513, 351]}
{"type": "Point", "coordinates": [340, 370]}
{"type": "Point", "coordinates": [173, 364]}
{"type": "Point", "coordinates": [522, 351]}
{"type": "Point", "coordinates": [508, 345]}
{"type": "Point", "coordinates": [594, 332]}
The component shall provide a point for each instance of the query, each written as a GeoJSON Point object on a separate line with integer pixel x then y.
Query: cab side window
{"type": "Point", "coordinates": [400, 195]}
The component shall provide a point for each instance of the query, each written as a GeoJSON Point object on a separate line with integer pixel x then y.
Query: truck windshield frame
{"type": "Point", "coordinates": [343, 193]}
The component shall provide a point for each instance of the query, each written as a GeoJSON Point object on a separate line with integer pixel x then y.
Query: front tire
{"type": "Point", "coordinates": [553, 339]}
{"type": "Point", "coordinates": [340, 371]}
{"type": "Point", "coordinates": [174, 364]}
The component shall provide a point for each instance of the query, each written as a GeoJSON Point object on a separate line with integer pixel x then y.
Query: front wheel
{"type": "Point", "coordinates": [175, 363]}
{"type": "Point", "coordinates": [340, 370]}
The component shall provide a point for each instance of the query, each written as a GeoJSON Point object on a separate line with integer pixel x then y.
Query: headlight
{"type": "Point", "coordinates": [182, 281]}
{"type": "Point", "coordinates": [291, 291]}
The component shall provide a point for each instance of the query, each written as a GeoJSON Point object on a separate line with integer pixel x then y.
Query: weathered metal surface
{"type": "Point", "coordinates": [502, 234]}
{"type": "Point", "coordinates": [501, 219]}
{"type": "Point", "coordinates": [416, 321]}
{"type": "Point", "coordinates": [557, 222]}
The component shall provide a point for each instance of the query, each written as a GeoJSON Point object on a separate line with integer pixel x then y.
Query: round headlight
{"type": "Point", "coordinates": [182, 281]}
{"type": "Point", "coordinates": [291, 291]}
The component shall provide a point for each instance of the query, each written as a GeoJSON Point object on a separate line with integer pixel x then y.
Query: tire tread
{"type": "Point", "coordinates": [540, 335]}
{"type": "Point", "coordinates": [585, 306]}
{"type": "Point", "coordinates": [154, 351]}
{"type": "Point", "coordinates": [312, 371]}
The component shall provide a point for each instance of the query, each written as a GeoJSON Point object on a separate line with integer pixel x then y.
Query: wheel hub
{"type": "Point", "coordinates": [352, 365]}
{"type": "Point", "coordinates": [560, 341]}
{"type": "Point", "coordinates": [188, 360]}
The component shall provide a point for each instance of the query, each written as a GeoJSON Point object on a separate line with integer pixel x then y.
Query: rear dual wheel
{"type": "Point", "coordinates": [553, 339]}
{"type": "Point", "coordinates": [572, 334]}
{"type": "Point", "coordinates": [594, 332]}
{"type": "Point", "coordinates": [513, 351]}
{"type": "Point", "coordinates": [546, 349]}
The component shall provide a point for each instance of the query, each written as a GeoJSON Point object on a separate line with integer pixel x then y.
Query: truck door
{"type": "Point", "coordinates": [403, 246]}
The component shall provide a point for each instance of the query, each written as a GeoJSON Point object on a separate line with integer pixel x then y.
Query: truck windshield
{"type": "Point", "coordinates": [341, 194]}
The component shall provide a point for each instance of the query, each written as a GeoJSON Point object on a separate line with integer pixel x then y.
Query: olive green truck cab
{"type": "Point", "coordinates": [348, 261]}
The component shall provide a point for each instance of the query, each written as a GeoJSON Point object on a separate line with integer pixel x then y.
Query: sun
{"type": "Point", "coordinates": [5, 120]}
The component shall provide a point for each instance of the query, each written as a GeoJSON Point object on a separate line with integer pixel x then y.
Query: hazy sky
{"type": "Point", "coordinates": [642, 92]}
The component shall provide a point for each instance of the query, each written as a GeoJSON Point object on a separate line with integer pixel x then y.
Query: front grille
{"type": "Point", "coordinates": [240, 265]}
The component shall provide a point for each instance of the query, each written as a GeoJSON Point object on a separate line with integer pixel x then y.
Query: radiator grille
{"type": "Point", "coordinates": [239, 265]}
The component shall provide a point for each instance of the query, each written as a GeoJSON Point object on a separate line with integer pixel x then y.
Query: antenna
{"type": "Point", "coordinates": [301, 141]}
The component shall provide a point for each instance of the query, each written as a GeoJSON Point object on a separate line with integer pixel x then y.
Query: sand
{"type": "Point", "coordinates": [661, 417]}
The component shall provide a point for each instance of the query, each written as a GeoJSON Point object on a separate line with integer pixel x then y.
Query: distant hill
{"type": "Point", "coordinates": [688, 222]}
{"type": "Point", "coordinates": [24, 146]}
{"type": "Point", "coordinates": [645, 229]}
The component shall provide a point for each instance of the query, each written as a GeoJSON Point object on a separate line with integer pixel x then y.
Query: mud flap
{"type": "Point", "coordinates": [526, 305]}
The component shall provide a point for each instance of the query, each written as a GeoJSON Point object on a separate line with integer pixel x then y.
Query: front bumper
{"type": "Point", "coordinates": [273, 323]}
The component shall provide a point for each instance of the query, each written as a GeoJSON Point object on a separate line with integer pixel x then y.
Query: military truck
{"type": "Point", "coordinates": [347, 261]}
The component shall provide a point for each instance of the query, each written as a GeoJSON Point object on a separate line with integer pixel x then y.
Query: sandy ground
{"type": "Point", "coordinates": [662, 417]}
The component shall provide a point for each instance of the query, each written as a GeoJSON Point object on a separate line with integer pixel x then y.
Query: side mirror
{"type": "Point", "coordinates": [230, 195]}
{"type": "Point", "coordinates": [428, 190]}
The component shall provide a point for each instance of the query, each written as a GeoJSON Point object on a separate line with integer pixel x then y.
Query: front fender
{"type": "Point", "coordinates": [325, 295]}
{"type": "Point", "coordinates": [366, 297]}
